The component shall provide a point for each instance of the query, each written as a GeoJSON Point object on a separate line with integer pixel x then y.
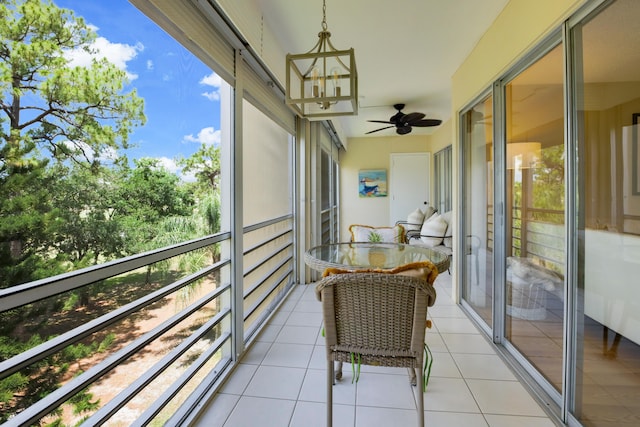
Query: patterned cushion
{"type": "Point", "coordinates": [365, 233]}
{"type": "Point", "coordinates": [424, 270]}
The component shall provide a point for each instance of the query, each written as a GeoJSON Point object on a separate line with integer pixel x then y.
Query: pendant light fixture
{"type": "Point", "coordinates": [323, 82]}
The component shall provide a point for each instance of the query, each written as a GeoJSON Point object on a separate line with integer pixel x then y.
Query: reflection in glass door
{"type": "Point", "coordinates": [601, 367]}
{"type": "Point", "coordinates": [328, 188]}
{"type": "Point", "coordinates": [608, 355]}
{"type": "Point", "coordinates": [478, 209]}
{"type": "Point", "coordinates": [325, 196]}
{"type": "Point", "coordinates": [534, 214]}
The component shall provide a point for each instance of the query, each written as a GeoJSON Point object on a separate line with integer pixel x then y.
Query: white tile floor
{"type": "Point", "coordinates": [281, 381]}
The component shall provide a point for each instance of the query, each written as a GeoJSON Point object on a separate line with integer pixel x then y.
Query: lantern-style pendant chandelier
{"type": "Point", "coordinates": [323, 82]}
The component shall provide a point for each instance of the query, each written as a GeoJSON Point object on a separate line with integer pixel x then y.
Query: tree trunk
{"type": "Point", "coordinates": [15, 249]}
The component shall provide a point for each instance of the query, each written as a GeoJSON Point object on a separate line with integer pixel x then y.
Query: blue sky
{"type": "Point", "coordinates": [180, 92]}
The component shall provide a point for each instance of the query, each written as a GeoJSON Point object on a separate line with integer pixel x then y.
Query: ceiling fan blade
{"type": "Point", "coordinates": [381, 121]}
{"type": "Point", "coordinates": [378, 130]}
{"type": "Point", "coordinates": [426, 123]}
{"type": "Point", "coordinates": [413, 117]}
{"type": "Point", "coordinates": [403, 130]}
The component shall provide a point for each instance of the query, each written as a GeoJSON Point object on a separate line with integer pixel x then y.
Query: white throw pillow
{"type": "Point", "coordinates": [447, 216]}
{"type": "Point", "coordinates": [415, 220]}
{"type": "Point", "coordinates": [434, 228]}
{"type": "Point", "coordinates": [362, 233]}
{"type": "Point", "coordinates": [448, 235]}
{"type": "Point", "coordinates": [428, 213]}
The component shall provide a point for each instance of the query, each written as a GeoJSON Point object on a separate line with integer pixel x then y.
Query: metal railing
{"type": "Point", "coordinates": [184, 348]}
{"type": "Point", "coordinates": [270, 270]}
{"type": "Point", "coordinates": [540, 235]}
{"type": "Point", "coordinates": [329, 225]}
{"type": "Point", "coordinates": [542, 238]}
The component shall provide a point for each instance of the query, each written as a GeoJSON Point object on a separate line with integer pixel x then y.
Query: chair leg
{"type": "Point", "coordinates": [330, 382]}
{"type": "Point", "coordinates": [477, 269]}
{"type": "Point", "coordinates": [338, 371]}
{"type": "Point", "coordinates": [420, 396]}
{"type": "Point", "coordinates": [412, 376]}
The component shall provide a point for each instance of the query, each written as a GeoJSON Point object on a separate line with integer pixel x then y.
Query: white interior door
{"type": "Point", "coordinates": [408, 184]}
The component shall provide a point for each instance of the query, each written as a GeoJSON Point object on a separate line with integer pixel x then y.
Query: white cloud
{"type": "Point", "coordinates": [211, 80]}
{"type": "Point", "coordinates": [212, 96]}
{"type": "Point", "coordinates": [149, 64]}
{"type": "Point", "coordinates": [207, 136]}
{"type": "Point", "coordinates": [118, 54]}
{"type": "Point", "coordinates": [168, 164]}
{"type": "Point", "coordinates": [81, 148]}
{"type": "Point", "coordinates": [214, 81]}
{"type": "Point", "coordinates": [188, 177]}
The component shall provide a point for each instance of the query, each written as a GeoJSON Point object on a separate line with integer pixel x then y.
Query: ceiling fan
{"type": "Point", "coordinates": [405, 122]}
{"type": "Point", "coordinates": [478, 118]}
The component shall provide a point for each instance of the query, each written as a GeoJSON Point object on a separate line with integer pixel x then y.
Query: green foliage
{"type": "Point", "coordinates": [23, 199]}
{"type": "Point", "coordinates": [17, 381]}
{"type": "Point", "coordinates": [375, 237]}
{"type": "Point", "coordinates": [68, 197]}
{"type": "Point", "coordinates": [209, 208]}
{"type": "Point", "coordinates": [78, 351]}
{"type": "Point", "coordinates": [26, 387]}
{"type": "Point", "coordinates": [31, 384]}
{"type": "Point", "coordinates": [71, 302]}
{"type": "Point", "coordinates": [106, 343]}
{"type": "Point", "coordinates": [205, 165]}
{"type": "Point", "coordinates": [548, 185]}
{"type": "Point", "coordinates": [51, 112]}
{"type": "Point", "coordinates": [56, 423]}
{"type": "Point", "coordinates": [82, 402]}
{"type": "Point", "coordinates": [146, 196]}
{"type": "Point", "coordinates": [80, 218]}
{"type": "Point", "coordinates": [90, 115]}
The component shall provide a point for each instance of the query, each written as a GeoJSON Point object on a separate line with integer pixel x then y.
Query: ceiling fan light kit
{"type": "Point", "coordinates": [323, 82]}
{"type": "Point", "coordinates": [405, 122]}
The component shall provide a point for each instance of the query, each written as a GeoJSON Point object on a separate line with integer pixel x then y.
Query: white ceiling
{"type": "Point", "coordinates": [406, 50]}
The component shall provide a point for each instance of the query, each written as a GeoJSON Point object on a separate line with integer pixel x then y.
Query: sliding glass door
{"type": "Point", "coordinates": [534, 214]}
{"type": "Point", "coordinates": [478, 215]}
{"type": "Point", "coordinates": [550, 197]}
{"type": "Point", "coordinates": [607, 375]}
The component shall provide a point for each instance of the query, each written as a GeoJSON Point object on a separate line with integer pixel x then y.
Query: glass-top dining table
{"type": "Point", "coordinates": [367, 255]}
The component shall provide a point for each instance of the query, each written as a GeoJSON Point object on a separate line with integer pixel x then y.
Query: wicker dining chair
{"type": "Point", "coordinates": [378, 319]}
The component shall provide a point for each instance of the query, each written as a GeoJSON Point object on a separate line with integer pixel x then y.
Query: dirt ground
{"type": "Point", "coordinates": [122, 376]}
